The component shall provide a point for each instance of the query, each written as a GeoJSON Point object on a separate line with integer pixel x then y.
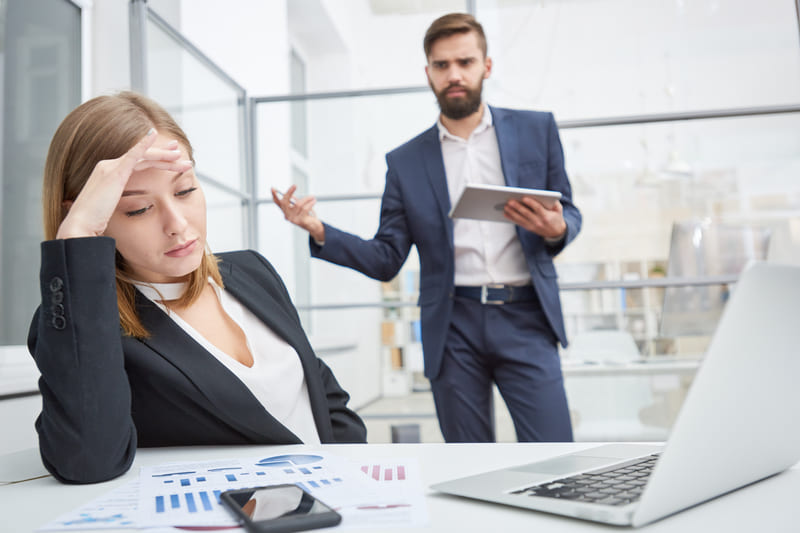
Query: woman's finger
{"type": "Point", "coordinates": [176, 166]}
{"type": "Point", "coordinates": [137, 152]}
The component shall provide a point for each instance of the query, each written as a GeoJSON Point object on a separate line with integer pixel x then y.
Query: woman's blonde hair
{"type": "Point", "coordinates": [103, 128]}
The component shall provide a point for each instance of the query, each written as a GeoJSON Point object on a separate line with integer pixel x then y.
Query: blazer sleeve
{"type": "Point", "coordinates": [86, 432]}
{"type": "Point", "coordinates": [557, 180]}
{"type": "Point", "coordinates": [382, 256]}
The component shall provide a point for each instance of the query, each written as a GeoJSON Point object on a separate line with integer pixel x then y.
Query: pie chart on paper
{"type": "Point", "coordinates": [289, 460]}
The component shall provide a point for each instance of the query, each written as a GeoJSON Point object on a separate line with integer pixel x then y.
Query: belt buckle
{"type": "Point", "coordinates": [485, 294]}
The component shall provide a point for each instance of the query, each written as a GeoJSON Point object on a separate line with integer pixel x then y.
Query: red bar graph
{"type": "Point", "coordinates": [385, 472]}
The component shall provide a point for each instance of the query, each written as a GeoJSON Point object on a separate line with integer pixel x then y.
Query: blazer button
{"type": "Point", "coordinates": [56, 283]}
{"type": "Point", "coordinates": [58, 321]}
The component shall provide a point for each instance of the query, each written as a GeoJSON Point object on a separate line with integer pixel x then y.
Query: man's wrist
{"type": "Point", "coordinates": [317, 233]}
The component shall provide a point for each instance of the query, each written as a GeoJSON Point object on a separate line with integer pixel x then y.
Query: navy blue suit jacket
{"type": "Point", "coordinates": [104, 394]}
{"type": "Point", "coordinates": [414, 212]}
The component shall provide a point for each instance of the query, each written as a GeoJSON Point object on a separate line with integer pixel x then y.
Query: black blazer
{"type": "Point", "coordinates": [104, 394]}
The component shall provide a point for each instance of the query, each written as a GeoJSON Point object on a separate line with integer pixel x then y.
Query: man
{"type": "Point", "coordinates": [488, 293]}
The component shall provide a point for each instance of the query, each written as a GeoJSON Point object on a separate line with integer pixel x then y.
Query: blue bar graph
{"type": "Point", "coordinates": [184, 482]}
{"type": "Point", "coordinates": [260, 473]}
{"type": "Point", "coordinates": [305, 470]}
{"type": "Point", "coordinates": [201, 478]}
{"type": "Point", "coordinates": [325, 482]}
{"type": "Point", "coordinates": [190, 505]}
{"type": "Point", "coordinates": [288, 470]}
{"type": "Point", "coordinates": [216, 494]}
{"type": "Point", "coordinates": [174, 501]}
{"type": "Point", "coordinates": [159, 504]}
{"type": "Point", "coordinates": [205, 501]}
{"type": "Point", "coordinates": [230, 477]}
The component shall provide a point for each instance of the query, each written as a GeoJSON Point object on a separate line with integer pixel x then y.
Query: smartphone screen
{"type": "Point", "coordinates": [279, 508]}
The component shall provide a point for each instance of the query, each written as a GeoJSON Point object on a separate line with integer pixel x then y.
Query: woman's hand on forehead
{"type": "Point", "coordinates": [89, 214]}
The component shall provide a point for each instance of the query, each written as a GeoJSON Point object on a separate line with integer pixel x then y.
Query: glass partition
{"type": "Point", "coordinates": [210, 107]}
{"type": "Point", "coordinates": [631, 57]}
{"type": "Point", "coordinates": [40, 56]}
{"type": "Point", "coordinates": [346, 139]}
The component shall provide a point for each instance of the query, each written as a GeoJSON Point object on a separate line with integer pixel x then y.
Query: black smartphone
{"type": "Point", "coordinates": [278, 509]}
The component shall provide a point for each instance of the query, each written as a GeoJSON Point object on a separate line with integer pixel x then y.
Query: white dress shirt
{"type": "Point", "coordinates": [276, 378]}
{"type": "Point", "coordinates": [485, 252]}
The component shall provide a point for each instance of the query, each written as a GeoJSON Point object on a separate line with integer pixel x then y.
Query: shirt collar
{"type": "Point", "coordinates": [164, 292]}
{"type": "Point", "coordinates": [485, 123]}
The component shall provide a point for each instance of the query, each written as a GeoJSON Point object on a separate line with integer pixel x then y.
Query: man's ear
{"type": "Point", "coordinates": [488, 63]}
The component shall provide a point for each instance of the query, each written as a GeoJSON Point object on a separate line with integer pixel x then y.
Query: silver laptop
{"type": "Point", "coordinates": [737, 425]}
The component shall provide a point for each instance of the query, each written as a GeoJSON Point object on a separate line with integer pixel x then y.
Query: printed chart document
{"type": "Point", "coordinates": [486, 202]}
{"type": "Point", "coordinates": [365, 492]}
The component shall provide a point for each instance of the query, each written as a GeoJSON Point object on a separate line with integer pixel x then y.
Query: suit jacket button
{"type": "Point", "coordinates": [58, 321]}
{"type": "Point", "coordinates": [56, 283]}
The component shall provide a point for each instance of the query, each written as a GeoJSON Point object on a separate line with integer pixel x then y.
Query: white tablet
{"type": "Point", "coordinates": [486, 202]}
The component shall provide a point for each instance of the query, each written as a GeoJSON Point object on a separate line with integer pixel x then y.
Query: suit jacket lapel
{"type": "Point", "coordinates": [262, 304]}
{"type": "Point", "coordinates": [277, 317]}
{"type": "Point", "coordinates": [431, 149]}
{"type": "Point", "coordinates": [221, 387]}
{"type": "Point", "coordinates": [508, 142]}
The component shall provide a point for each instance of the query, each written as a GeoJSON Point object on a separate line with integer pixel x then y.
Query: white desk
{"type": "Point", "coordinates": [769, 506]}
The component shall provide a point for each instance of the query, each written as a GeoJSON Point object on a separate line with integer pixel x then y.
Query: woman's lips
{"type": "Point", "coordinates": [183, 250]}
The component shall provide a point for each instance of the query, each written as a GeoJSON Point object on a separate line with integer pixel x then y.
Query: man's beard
{"type": "Point", "coordinates": [458, 108]}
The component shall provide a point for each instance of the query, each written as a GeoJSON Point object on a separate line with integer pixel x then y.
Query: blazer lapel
{"type": "Point", "coordinates": [508, 142]}
{"type": "Point", "coordinates": [431, 149]}
{"type": "Point", "coordinates": [220, 386]}
{"type": "Point", "coordinates": [276, 316]}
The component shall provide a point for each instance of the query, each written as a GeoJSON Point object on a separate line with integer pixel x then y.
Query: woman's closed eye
{"type": "Point", "coordinates": [137, 212]}
{"type": "Point", "coordinates": [186, 192]}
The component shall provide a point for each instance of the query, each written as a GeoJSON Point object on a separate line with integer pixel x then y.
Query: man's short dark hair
{"type": "Point", "coordinates": [451, 24]}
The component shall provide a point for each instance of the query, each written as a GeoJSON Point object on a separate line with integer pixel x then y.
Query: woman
{"type": "Point", "coordinates": [143, 337]}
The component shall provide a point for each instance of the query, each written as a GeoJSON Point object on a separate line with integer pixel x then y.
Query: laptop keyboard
{"type": "Point", "coordinates": [619, 484]}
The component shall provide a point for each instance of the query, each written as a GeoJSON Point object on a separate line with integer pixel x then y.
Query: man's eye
{"type": "Point", "coordinates": [137, 212]}
{"type": "Point", "coordinates": [466, 62]}
{"type": "Point", "coordinates": [186, 192]}
{"type": "Point", "coordinates": [440, 65]}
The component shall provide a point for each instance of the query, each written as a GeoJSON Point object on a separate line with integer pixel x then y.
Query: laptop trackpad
{"type": "Point", "coordinates": [565, 464]}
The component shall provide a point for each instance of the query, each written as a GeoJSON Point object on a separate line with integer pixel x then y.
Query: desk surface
{"type": "Point", "coordinates": [769, 506]}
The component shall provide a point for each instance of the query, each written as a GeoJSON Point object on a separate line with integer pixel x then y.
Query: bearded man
{"type": "Point", "coordinates": [490, 307]}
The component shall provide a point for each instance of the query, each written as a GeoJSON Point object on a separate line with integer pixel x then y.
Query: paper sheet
{"type": "Point", "coordinates": [367, 493]}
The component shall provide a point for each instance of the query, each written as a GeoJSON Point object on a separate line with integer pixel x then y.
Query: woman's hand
{"type": "Point", "coordinates": [300, 212]}
{"type": "Point", "coordinates": [89, 214]}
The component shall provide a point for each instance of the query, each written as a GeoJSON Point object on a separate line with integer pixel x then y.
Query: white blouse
{"type": "Point", "coordinates": [276, 378]}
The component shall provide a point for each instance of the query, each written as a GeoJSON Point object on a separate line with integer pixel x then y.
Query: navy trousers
{"type": "Point", "coordinates": [512, 346]}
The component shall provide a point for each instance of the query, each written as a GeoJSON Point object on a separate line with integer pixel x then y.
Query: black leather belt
{"type": "Point", "coordinates": [498, 294]}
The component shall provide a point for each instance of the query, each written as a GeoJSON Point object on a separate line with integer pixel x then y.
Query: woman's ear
{"type": "Point", "coordinates": [65, 205]}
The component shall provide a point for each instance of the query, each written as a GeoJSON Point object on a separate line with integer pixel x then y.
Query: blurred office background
{"type": "Point", "coordinates": [680, 123]}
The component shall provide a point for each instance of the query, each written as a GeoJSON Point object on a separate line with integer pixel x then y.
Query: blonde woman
{"type": "Point", "coordinates": [143, 337]}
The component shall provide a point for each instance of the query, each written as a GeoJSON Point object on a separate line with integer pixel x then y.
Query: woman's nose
{"type": "Point", "coordinates": [174, 220]}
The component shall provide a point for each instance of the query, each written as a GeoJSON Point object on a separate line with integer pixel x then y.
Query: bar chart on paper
{"type": "Point", "coordinates": [384, 472]}
{"type": "Point", "coordinates": [188, 494]}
